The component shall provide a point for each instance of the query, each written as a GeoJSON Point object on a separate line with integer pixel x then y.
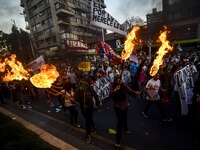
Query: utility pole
{"type": "Point", "coordinates": [33, 53]}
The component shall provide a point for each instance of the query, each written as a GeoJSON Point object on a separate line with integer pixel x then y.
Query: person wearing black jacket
{"type": "Point", "coordinates": [118, 92]}
{"type": "Point", "coordinates": [88, 101]}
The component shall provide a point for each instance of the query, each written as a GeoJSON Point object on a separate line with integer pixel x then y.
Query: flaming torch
{"type": "Point", "coordinates": [129, 46]}
{"type": "Point", "coordinates": [47, 76]}
{"type": "Point", "coordinates": [130, 43]}
{"type": "Point", "coordinates": [16, 71]}
{"type": "Point", "coordinates": [2, 66]}
{"type": "Point", "coordinates": [163, 50]}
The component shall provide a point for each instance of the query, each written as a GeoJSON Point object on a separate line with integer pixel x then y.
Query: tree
{"type": "Point", "coordinates": [18, 43]}
{"type": "Point", "coordinates": [4, 45]}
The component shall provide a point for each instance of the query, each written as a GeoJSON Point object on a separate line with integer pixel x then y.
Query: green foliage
{"type": "Point", "coordinates": [15, 137]}
{"type": "Point", "coordinates": [17, 42]}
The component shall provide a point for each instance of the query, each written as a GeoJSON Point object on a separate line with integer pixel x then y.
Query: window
{"type": "Point", "coordinates": [78, 21]}
{"type": "Point", "coordinates": [50, 21]}
{"type": "Point", "coordinates": [172, 2]}
{"type": "Point", "coordinates": [46, 2]}
{"type": "Point", "coordinates": [48, 11]}
{"type": "Point", "coordinates": [72, 19]}
{"type": "Point", "coordinates": [57, 6]}
{"type": "Point", "coordinates": [71, 9]}
{"type": "Point", "coordinates": [41, 3]}
{"type": "Point", "coordinates": [63, 36]}
{"type": "Point", "coordinates": [170, 17]}
{"type": "Point", "coordinates": [52, 30]}
{"type": "Point", "coordinates": [38, 25]}
{"type": "Point", "coordinates": [177, 15]}
{"type": "Point", "coordinates": [83, 14]}
{"type": "Point", "coordinates": [60, 6]}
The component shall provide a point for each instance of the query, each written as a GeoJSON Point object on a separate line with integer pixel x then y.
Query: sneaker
{"type": "Point", "coordinates": [117, 145]}
{"type": "Point", "coordinates": [144, 115]}
{"type": "Point", "coordinates": [93, 129]}
{"type": "Point", "coordinates": [77, 125]}
{"type": "Point", "coordinates": [23, 107]}
{"type": "Point", "coordinates": [88, 139]}
{"type": "Point", "coordinates": [167, 119]}
{"type": "Point", "coordinates": [127, 131]}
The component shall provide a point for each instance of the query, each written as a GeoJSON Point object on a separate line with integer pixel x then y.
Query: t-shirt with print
{"type": "Point", "coordinates": [153, 87]}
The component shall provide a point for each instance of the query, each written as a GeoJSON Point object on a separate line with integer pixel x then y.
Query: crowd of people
{"type": "Point", "coordinates": [75, 87]}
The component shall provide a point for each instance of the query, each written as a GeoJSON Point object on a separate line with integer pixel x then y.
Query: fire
{"type": "Point", "coordinates": [164, 49]}
{"type": "Point", "coordinates": [2, 66]}
{"type": "Point", "coordinates": [47, 76]}
{"type": "Point", "coordinates": [129, 43]}
{"type": "Point", "coordinates": [16, 71]}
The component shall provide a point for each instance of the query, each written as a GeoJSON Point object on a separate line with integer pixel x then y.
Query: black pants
{"type": "Point", "coordinates": [73, 114]}
{"type": "Point", "coordinates": [62, 102]}
{"type": "Point", "coordinates": [121, 122]}
{"type": "Point", "coordinates": [2, 98]}
{"type": "Point", "coordinates": [89, 123]}
{"type": "Point", "coordinates": [158, 104]}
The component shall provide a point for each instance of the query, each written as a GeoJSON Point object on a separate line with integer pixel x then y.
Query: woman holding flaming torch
{"type": "Point", "coordinates": [118, 93]}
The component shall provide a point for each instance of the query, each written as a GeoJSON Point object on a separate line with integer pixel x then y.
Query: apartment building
{"type": "Point", "coordinates": [59, 26]}
{"type": "Point", "coordinates": [183, 17]}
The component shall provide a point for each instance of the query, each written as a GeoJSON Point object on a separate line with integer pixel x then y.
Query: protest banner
{"type": "Point", "coordinates": [185, 83]}
{"type": "Point", "coordinates": [36, 64]}
{"type": "Point", "coordinates": [84, 66]}
{"type": "Point", "coordinates": [99, 17]}
{"type": "Point", "coordinates": [102, 88]}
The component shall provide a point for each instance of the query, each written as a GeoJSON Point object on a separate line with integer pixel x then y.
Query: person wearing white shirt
{"type": "Point", "coordinates": [153, 87]}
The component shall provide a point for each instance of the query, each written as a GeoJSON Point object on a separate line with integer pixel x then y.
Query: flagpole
{"type": "Point", "coordinates": [103, 38]}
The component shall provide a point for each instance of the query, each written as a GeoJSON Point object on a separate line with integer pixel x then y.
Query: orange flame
{"type": "Point", "coordinates": [17, 71]}
{"type": "Point", "coordinates": [163, 50]}
{"type": "Point", "coordinates": [129, 43]}
{"type": "Point", "coordinates": [2, 66]}
{"type": "Point", "coordinates": [47, 76]}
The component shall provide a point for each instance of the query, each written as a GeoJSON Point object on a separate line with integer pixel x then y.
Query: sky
{"type": "Point", "coordinates": [10, 10]}
{"type": "Point", "coordinates": [119, 9]}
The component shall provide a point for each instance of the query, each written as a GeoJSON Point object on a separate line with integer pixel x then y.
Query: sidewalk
{"type": "Point", "coordinates": [55, 131]}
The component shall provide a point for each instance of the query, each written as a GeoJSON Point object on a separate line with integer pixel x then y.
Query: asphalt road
{"type": "Point", "coordinates": [147, 134]}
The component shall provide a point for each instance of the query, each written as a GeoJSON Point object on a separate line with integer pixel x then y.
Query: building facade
{"type": "Point", "coordinates": [183, 17]}
{"type": "Point", "coordinates": [54, 24]}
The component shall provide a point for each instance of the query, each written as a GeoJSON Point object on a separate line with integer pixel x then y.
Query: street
{"type": "Point", "coordinates": [146, 134]}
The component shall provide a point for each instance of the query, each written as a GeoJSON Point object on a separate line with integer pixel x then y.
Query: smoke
{"type": "Point", "coordinates": [157, 4]}
{"type": "Point", "coordinates": [138, 8]}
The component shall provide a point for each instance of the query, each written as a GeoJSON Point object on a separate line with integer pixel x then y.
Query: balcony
{"type": "Point", "coordinates": [64, 12]}
{"type": "Point", "coordinates": [60, 1]}
{"type": "Point", "coordinates": [74, 23]}
{"type": "Point", "coordinates": [71, 5]}
{"type": "Point", "coordinates": [89, 34]}
{"type": "Point", "coordinates": [78, 6]}
{"type": "Point", "coordinates": [64, 21]}
{"type": "Point", "coordinates": [77, 33]}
